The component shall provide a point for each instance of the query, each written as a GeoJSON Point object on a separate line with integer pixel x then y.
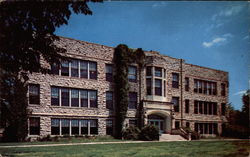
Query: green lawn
{"type": "Point", "coordinates": [159, 149]}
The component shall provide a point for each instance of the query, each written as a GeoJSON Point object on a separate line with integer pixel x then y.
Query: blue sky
{"type": "Point", "coordinates": [210, 34]}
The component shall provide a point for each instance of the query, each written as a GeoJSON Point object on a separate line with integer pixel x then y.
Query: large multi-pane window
{"type": "Point", "coordinates": [206, 128]}
{"type": "Point", "coordinates": [109, 100]}
{"type": "Point", "coordinates": [175, 101]}
{"type": "Point", "coordinates": [74, 126]}
{"type": "Point", "coordinates": [223, 89]}
{"type": "Point", "coordinates": [205, 87]}
{"type": "Point", "coordinates": [34, 94]}
{"type": "Point", "coordinates": [73, 97]}
{"type": "Point", "coordinates": [55, 96]}
{"type": "Point", "coordinates": [175, 80]}
{"type": "Point", "coordinates": [132, 74]}
{"type": "Point", "coordinates": [149, 71]}
{"type": "Point", "coordinates": [34, 126]}
{"type": "Point", "coordinates": [158, 72]}
{"type": "Point", "coordinates": [158, 87]}
{"type": "Point", "coordinates": [149, 86]}
{"type": "Point", "coordinates": [132, 100]}
{"type": "Point", "coordinates": [204, 107]}
{"type": "Point", "coordinates": [74, 68]}
{"type": "Point", "coordinates": [109, 127]}
{"type": "Point", "coordinates": [186, 84]}
{"type": "Point", "coordinates": [186, 106]}
{"type": "Point", "coordinates": [65, 68]}
{"type": "Point", "coordinates": [109, 72]}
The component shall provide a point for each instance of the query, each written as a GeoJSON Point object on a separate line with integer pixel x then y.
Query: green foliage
{"type": "Point", "coordinates": [131, 133]}
{"type": "Point", "coordinates": [194, 135]}
{"type": "Point", "coordinates": [149, 133]}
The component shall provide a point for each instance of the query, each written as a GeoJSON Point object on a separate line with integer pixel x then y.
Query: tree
{"type": "Point", "coordinates": [245, 109]}
{"type": "Point", "coordinates": [26, 34]}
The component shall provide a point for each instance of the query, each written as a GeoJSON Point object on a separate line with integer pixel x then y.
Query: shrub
{"type": "Point", "coordinates": [131, 133]}
{"type": "Point", "coordinates": [194, 135]}
{"type": "Point", "coordinates": [149, 133]}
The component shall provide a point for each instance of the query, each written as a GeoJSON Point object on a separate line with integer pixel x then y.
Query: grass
{"type": "Point", "coordinates": [158, 149]}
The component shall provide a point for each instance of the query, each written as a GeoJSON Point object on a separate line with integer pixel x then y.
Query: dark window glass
{"type": "Point", "coordinates": [93, 127]}
{"type": "Point", "coordinates": [65, 68]}
{"type": "Point", "coordinates": [74, 68]}
{"type": "Point", "coordinates": [196, 127]}
{"type": "Point", "coordinates": [84, 127]}
{"type": "Point", "coordinates": [177, 124]}
{"type": "Point", "coordinates": [196, 107]}
{"type": "Point", "coordinates": [195, 86]}
{"type": "Point", "coordinates": [175, 80]}
{"type": "Point", "coordinates": [223, 89]}
{"type": "Point", "coordinates": [109, 72]}
{"type": "Point", "coordinates": [84, 69]}
{"type": "Point", "coordinates": [206, 128]}
{"type": "Point", "coordinates": [214, 108]}
{"type": "Point", "coordinates": [75, 97]}
{"type": "Point", "coordinates": [210, 128]}
{"type": "Point", "coordinates": [109, 100]}
{"type": "Point", "coordinates": [92, 70]}
{"type": "Point", "coordinates": [200, 107]}
{"type": "Point", "coordinates": [109, 127]}
{"type": "Point", "coordinates": [55, 126]}
{"type": "Point", "coordinates": [158, 87]}
{"type": "Point", "coordinates": [132, 100]}
{"type": "Point", "coordinates": [215, 127]}
{"type": "Point", "coordinates": [149, 71]}
{"type": "Point", "coordinates": [209, 88]}
{"type": "Point", "coordinates": [187, 124]}
{"type": "Point", "coordinates": [205, 108]}
{"type": "Point", "coordinates": [186, 106]}
{"type": "Point", "coordinates": [133, 123]}
{"type": "Point", "coordinates": [75, 127]}
{"type": "Point", "coordinates": [132, 74]}
{"type": "Point", "coordinates": [200, 86]}
{"type": "Point", "coordinates": [175, 101]}
{"type": "Point", "coordinates": [55, 69]}
{"type": "Point", "coordinates": [205, 88]}
{"type": "Point", "coordinates": [149, 87]}
{"type": "Point", "coordinates": [34, 92]}
{"type": "Point", "coordinates": [93, 98]}
{"type": "Point", "coordinates": [186, 84]}
{"type": "Point", "coordinates": [164, 88]}
{"type": "Point", "coordinates": [214, 88]}
{"type": "Point", "coordinates": [34, 126]}
{"type": "Point", "coordinates": [223, 109]}
{"type": "Point", "coordinates": [84, 98]}
{"type": "Point", "coordinates": [65, 126]}
{"type": "Point", "coordinates": [210, 108]}
{"type": "Point", "coordinates": [65, 96]}
{"type": "Point", "coordinates": [54, 96]}
{"type": "Point", "coordinates": [158, 72]}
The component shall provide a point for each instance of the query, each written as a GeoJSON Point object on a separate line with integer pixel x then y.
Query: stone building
{"type": "Point", "coordinates": [78, 98]}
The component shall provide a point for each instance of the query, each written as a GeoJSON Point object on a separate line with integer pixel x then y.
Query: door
{"type": "Point", "coordinates": [157, 123]}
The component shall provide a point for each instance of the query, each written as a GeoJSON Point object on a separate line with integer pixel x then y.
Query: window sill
{"type": "Point", "coordinates": [74, 107]}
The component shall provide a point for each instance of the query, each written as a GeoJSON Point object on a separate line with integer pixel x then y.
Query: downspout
{"type": "Point", "coordinates": [181, 95]}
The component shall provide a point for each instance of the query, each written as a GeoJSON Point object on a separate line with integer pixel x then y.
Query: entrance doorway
{"type": "Point", "coordinates": [157, 121]}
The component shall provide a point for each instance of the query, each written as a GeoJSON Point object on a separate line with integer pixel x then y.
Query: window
{"type": "Point", "coordinates": [175, 101]}
{"type": "Point", "coordinates": [84, 69]}
{"type": "Point", "coordinates": [74, 68]}
{"type": "Point", "coordinates": [214, 88]}
{"type": "Point", "coordinates": [200, 86]}
{"type": "Point", "coordinates": [93, 126]}
{"type": "Point", "coordinates": [158, 87]}
{"type": "Point", "coordinates": [55, 96]}
{"type": "Point", "coordinates": [65, 68]}
{"type": "Point", "coordinates": [34, 126]}
{"type": "Point", "coordinates": [209, 88]}
{"type": "Point", "coordinates": [205, 108]}
{"type": "Point", "coordinates": [109, 72]}
{"type": "Point", "coordinates": [92, 70]}
{"type": "Point", "coordinates": [65, 96]}
{"type": "Point", "coordinates": [158, 72]}
{"type": "Point", "coordinates": [34, 91]}
{"type": "Point", "coordinates": [93, 99]}
{"type": "Point", "coordinates": [132, 77]}
{"type": "Point", "coordinates": [214, 108]}
{"type": "Point", "coordinates": [177, 124]}
{"type": "Point", "coordinates": [196, 107]}
{"type": "Point", "coordinates": [186, 106]}
{"type": "Point", "coordinates": [109, 100]}
{"type": "Point", "coordinates": [195, 86]}
{"type": "Point", "coordinates": [55, 69]}
{"type": "Point", "coordinates": [187, 124]}
{"type": "Point", "coordinates": [175, 80]}
{"type": "Point", "coordinates": [164, 73]}
{"type": "Point", "coordinates": [65, 126]}
{"type": "Point", "coordinates": [164, 88]}
{"type": "Point", "coordinates": [223, 109]}
{"type": "Point", "coordinates": [149, 87]}
{"type": "Point", "coordinates": [133, 123]}
{"type": "Point", "coordinates": [149, 71]}
{"type": "Point", "coordinates": [55, 126]}
{"type": "Point", "coordinates": [84, 127]}
{"type": "Point", "coordinates": [109, 127]}
{"type": "Point", "coordinates": [84, 98]}
{"type": "Point", "coordinates": [75, 127]}
{"type": "Point", "coordinates": [132, 104]}
{"type": "Point", "coordinates": [223, 89]}
{"type": "Point", "coordinates": [75, 97]}
{"type": "Point", "coordinates": [200, 107]}
{"type": "Point", "coordinates": [205, 87]}
{"type": "Point", "coordinates": [186, 84]}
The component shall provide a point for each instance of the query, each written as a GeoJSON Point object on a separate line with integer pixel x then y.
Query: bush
{"type": "Point", "coordinates": [131, 133]}
{"type": "Point", "coordinates": [194, 135]}
{"type": "Point", "coordinates": [149, 133]}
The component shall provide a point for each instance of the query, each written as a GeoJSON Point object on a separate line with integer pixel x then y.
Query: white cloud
{"type": "Point", "coordinates": [240, 92]}
{"type": "Point", "coordinates": [159, 4]}
{"type": "Point", "coordinates": [228, 35]}
{"type": "Point", "coordinates": [214, 41]}
{"type": "Point", "coordinates": [234, 10]}
{"type": "Point", "coordinates": [246, 37]}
